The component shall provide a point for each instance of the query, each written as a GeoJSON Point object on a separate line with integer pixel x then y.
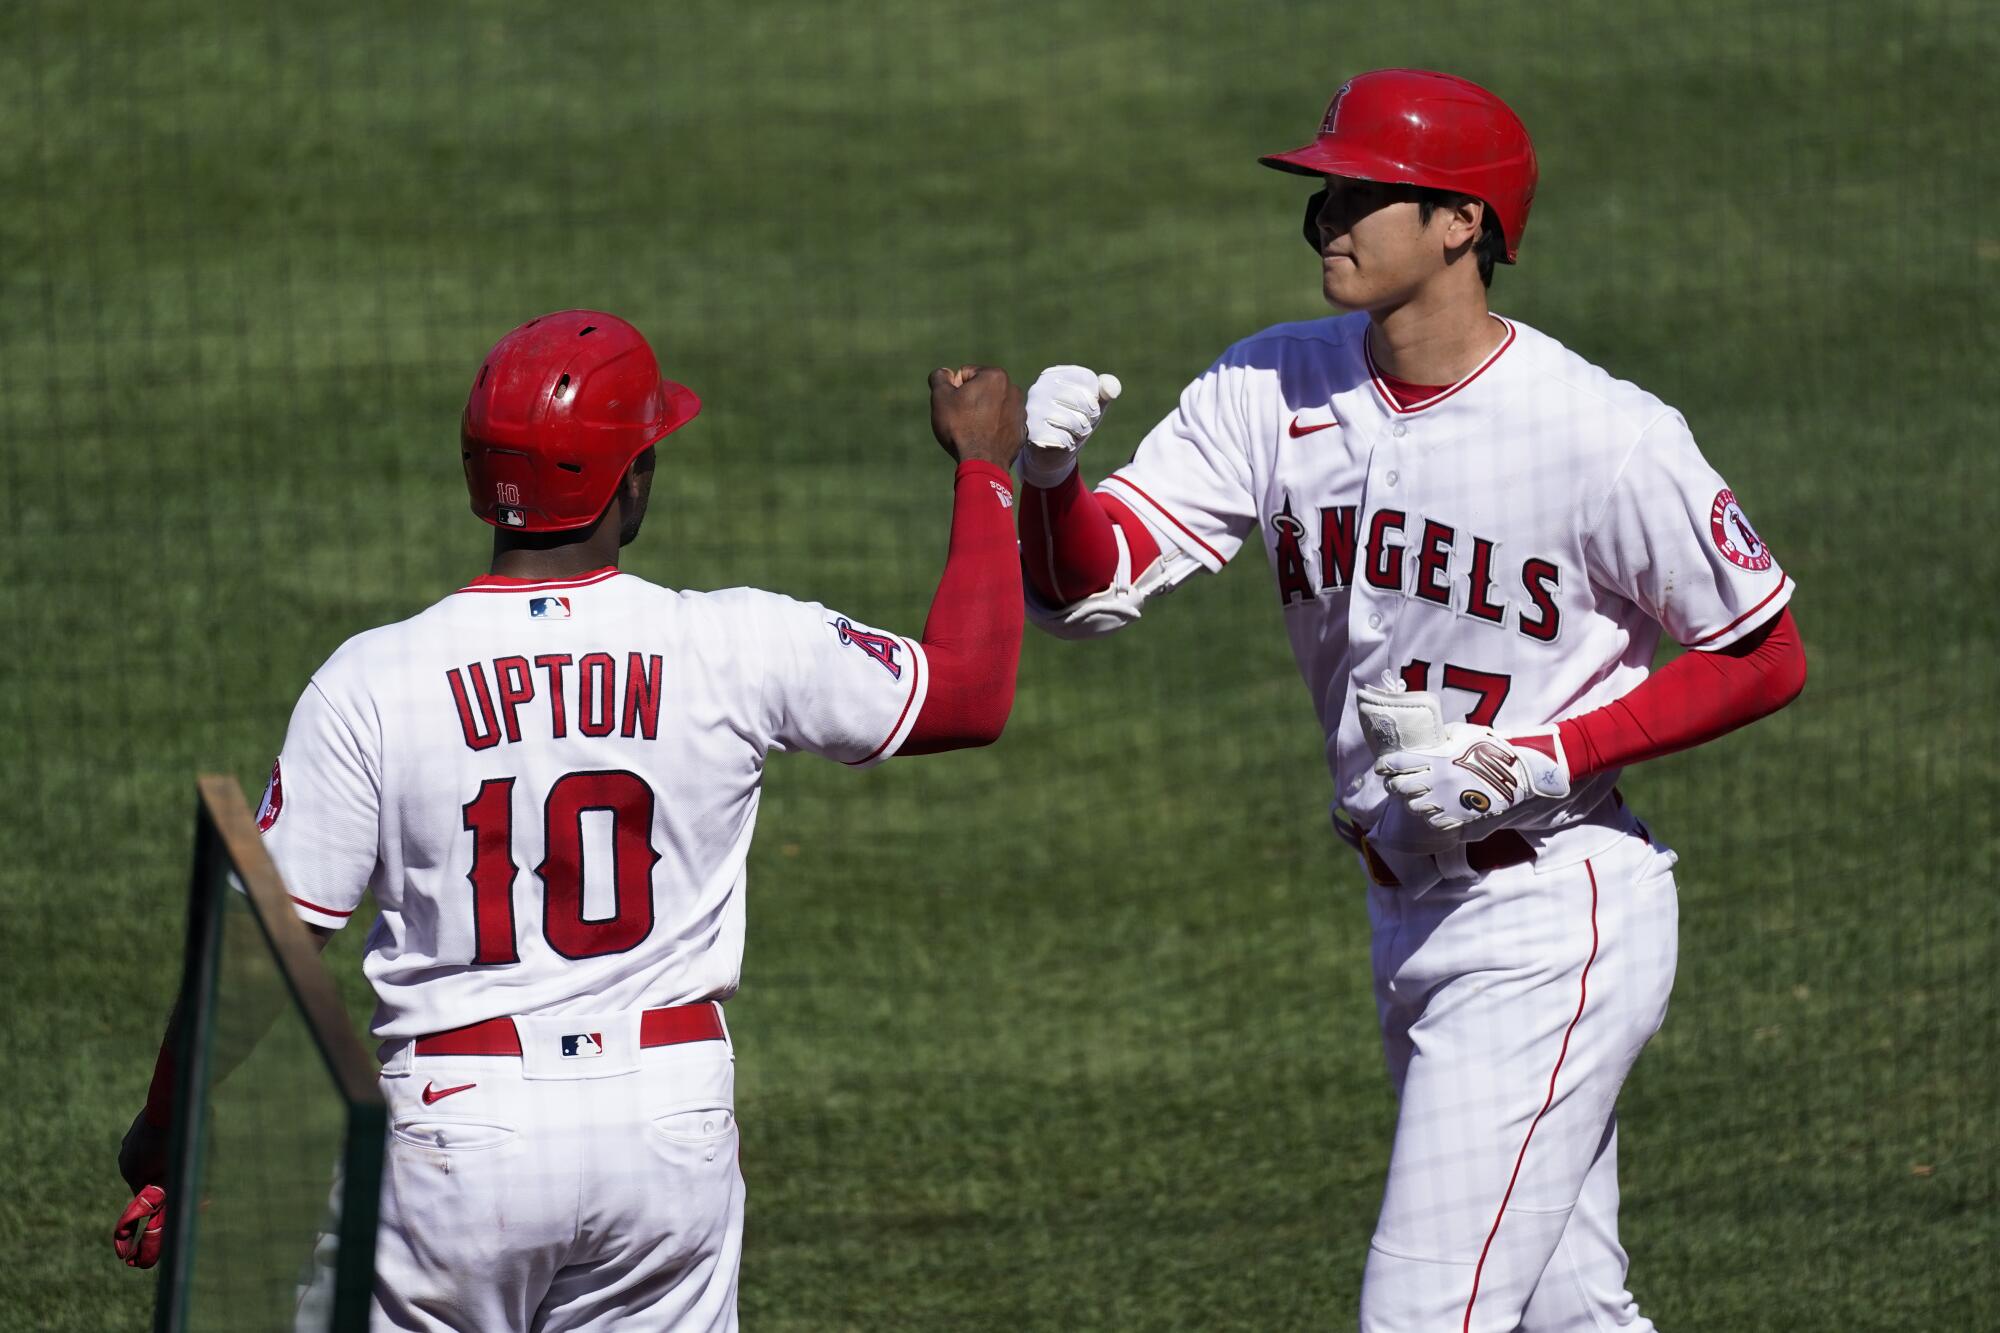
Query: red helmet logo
{"type": "Point", "coordinates": [1419, 127]}
{"type": "Point", "coordinates": [559, 410]}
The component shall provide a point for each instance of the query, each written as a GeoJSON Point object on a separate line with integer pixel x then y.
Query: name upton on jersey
{"type": "Point", "coordinates": [598, 690]}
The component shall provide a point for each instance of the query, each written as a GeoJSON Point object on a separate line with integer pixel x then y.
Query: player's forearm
{"type": "Point", "coordinates": [1691, 700]}
{"type": "Point", "coordinates": [160, 1092]}
{"type": "Point", "coordinates": [1067, 541]}
{"type": "Point", "coordinates": [1067, 544]}
{"type": "Point", "coordinates": [222, 1059]}
{"type": "Point", "coordinates": [972, 638]}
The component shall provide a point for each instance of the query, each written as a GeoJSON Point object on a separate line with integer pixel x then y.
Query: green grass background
{"type": "Point", "coordinates": [1074, 1033]}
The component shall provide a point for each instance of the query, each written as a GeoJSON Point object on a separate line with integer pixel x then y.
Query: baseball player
{"type": "Point", "coordinates": [549, 780]}
{"type": "Point", "coordinates": [1476, 539]}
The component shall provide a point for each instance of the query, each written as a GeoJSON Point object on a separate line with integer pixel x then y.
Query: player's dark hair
{"type": "Point", "coordinates": [1492, 243]}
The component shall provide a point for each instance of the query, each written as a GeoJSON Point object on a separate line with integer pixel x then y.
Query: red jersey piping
{"type": "Point", "coordinates": [326, 911]}
{"type": "Point", "coordinates": [1783, 580]}
{"type": "Point", "coordinates": [502, 583]}
{"type": "Point", "coordinates": [917, 665]}
{"type": "Point", "coordinates": [1582, 995]}
{"type": "Point", "coordinates": [1126, 482]}
{"type": "Point", "coordinates": [1389, 399]}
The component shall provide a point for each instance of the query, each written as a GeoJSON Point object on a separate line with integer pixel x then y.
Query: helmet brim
{"type": "Point", "coordinates": [1335, 159]}
{"type": "Point", "coordinates": [1328, 158]}
{"type": "Point", "coordinates": [682, 406]}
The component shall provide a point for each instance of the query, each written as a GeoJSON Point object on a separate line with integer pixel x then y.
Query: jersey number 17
{"type": "Point", "coordinates": [1488, 688]}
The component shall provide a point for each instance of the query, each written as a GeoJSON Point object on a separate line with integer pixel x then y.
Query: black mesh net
{"type": "Point", "coordinates": [1075, 1032]}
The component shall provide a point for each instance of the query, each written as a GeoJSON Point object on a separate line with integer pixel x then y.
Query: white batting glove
{"type": "Point", "coordinates": [1475, 773]}
{"type": "Point", "coordinates": [1064, 406]}
{"type": "Point", "coordinates": [1395, 717]}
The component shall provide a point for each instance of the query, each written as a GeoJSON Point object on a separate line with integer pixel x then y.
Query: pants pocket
{"type": "Point", "coordinates": [703, 1125]}
{"type": "Point", "coordinates": [451, 1134]}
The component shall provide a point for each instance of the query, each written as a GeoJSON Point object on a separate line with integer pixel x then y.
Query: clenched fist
{"type": "Point", "coordinates": [978, 413]}
{"type": "Point", "coordinates": [142, 1160]}
{"type": "Point", "coordinates": [1064, 407]}
{"type": "Point", "coordinates": [141, 1228]}
{"type": "Point", "coordinates": [1473, 773]}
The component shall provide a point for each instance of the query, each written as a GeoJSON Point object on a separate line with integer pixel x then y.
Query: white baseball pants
{"type": "Point", "coordinates": [1512, 1008]}
{"type": "Point", "coordinates": [561, 1195]}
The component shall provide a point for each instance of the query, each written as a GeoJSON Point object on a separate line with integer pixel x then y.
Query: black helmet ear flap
{"type": "Point", "coordinates": [1312, 219]}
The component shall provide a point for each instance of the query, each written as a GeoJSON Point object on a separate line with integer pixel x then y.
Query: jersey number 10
{"type": "Point", "coordinates": [489, 817]}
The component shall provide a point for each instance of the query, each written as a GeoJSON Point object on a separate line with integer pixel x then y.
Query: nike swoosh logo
{"type": "Point", "coordinates": [432, 1094]}
{"type": "Point", "coordinates": [1298, 430]}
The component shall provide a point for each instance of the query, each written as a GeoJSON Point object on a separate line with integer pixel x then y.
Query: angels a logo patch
{"type": "Point", "coordinates": [881, 647]}
{"type": "Point", "coordinates": [1734, 537]}
{"type": "Point", "coordinates": [274, 800]}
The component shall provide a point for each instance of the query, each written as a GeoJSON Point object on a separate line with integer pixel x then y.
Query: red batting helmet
{"type": "Point", "coordinates": [1418, 127]}
{"type": "Point", "coordinates": [561, 408]}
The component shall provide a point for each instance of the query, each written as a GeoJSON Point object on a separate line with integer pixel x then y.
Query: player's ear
{"type": "Point", "coordinates": [638, 480]}
{"type": "Point", "coordinates": [634, 489]}
{"type": "Point", "coordinates": [1465, 218]}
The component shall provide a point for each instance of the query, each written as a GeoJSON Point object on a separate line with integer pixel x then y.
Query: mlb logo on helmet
{"type": "Point", "coordinates": [513, 518]}
{"type": "Point", "coordinates": [548, 608]}
{"type": "Point", "coordinates": [582, 1045]}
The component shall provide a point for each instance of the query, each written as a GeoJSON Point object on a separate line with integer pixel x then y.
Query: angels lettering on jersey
{"type": "Point", "coordinates": [1440, 567]}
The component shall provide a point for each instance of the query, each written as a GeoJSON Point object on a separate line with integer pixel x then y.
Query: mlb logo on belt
{"type": "Point", "coordinates": [548, 608]}
{"type": "Point", "coordinates": [582, 1045]}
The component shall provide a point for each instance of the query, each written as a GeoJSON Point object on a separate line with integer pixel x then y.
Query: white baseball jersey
{"type": "Point", "coordinates": [551, 787]}
{"type": "Point", "coordinates": [1515, 543]}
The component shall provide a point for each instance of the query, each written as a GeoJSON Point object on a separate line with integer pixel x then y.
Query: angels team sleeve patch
{"type": "Point", "coordinates": [841, 688]}
{"type": "Point", "coordinates": [1190, 479]}
{"type": "Point", "coordinates": [320, 813]}
{"type": "Point", "coordinates": [1675, 540]}
{"type": "Point", "coordinates": [1734, 536]}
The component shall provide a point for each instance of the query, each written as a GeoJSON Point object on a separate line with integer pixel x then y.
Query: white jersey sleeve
{"type": "Point", "coordinates": [837, 687]}
{"type": "Point", "coordinates": [1673, 540]}
{"type": "Point", "coordinates": [1190, 479]}
{"type": "Point", "coordinates": [321, 811]}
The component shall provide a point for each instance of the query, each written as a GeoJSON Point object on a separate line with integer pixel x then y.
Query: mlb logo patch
{"type": "Point", "coordinates": [582, 1045]}
{"type": "Point", "coordinates": [548, 608]}
{"type": "Point", "coordinates": [513, 518]}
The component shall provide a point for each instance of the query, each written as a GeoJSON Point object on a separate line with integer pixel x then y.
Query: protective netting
{"type": "Point", "coordinates": [1075, 1032]}
{"type": "Point", "coordinates": [270, 1185]}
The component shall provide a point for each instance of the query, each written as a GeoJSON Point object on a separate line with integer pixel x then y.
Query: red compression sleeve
{"type": "Point", "coordinates": [160, 1094]}
{"type": "Point", "coordinates": [1066, 540]}
{"type": "Point", "coordinates": [972, 639]}
{"type": "Point", "coordinates": [1694, 698]}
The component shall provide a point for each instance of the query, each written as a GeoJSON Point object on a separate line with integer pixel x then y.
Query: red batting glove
{"type": "Point", "coordinates": [137, 1236]}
